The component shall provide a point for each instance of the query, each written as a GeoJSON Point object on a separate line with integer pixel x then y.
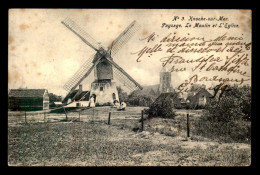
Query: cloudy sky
{"type": "Point", "coordinates": [42, 53]}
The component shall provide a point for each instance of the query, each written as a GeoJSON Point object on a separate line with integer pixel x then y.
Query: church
{"type": "Point", "coordinates": [165, 81]}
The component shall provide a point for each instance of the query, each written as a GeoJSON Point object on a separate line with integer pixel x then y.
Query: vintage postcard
{"type": "Point", "coordinates": [129, 87]}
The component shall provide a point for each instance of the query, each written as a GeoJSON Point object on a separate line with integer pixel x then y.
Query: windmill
{"type": "Point", "coordinates": [103, 89]}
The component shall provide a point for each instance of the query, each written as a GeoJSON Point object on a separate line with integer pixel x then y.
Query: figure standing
{"type": "Point", "coordinates": [92, 102]}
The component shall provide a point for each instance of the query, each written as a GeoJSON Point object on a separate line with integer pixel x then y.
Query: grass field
{"type": "Point", "coordinates": [94, 143]}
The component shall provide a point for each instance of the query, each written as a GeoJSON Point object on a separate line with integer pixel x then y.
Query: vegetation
{"type": "Point", "coordinates": [230, 132]}
{"type": "Point", "coordinates": [164, 108]}
{"type": "Point", "coordinates": [96, 144]}
{"type": "Point", "coordinates": [90, 144]}
{"type": "Point", "coordinates": [54, 98]}
{"type": "Point", "coordinates": [228, 118]}
{"type": "Point", "coordinates": [234, 104]}
{"type": "Point", "coordinates": [136, 98]}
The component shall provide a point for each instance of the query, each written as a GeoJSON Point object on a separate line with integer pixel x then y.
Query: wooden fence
{"type": "Point", "coordinates": [133, 120]}
{"type": "Point", "coordinates": [80, 115]}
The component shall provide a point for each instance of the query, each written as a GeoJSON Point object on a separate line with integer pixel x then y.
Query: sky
{"type": "Point", "coordinates": [42, 53]}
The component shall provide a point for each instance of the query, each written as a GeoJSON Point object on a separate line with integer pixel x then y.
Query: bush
{"type": "Point", "coordinates": [235, 104]}
{"type": "Point", "coordinates": [135, 98]}
{"type": "Point", "coordinates": [163, 108]}
{"type": "Point", "coordinates": [228, 118]}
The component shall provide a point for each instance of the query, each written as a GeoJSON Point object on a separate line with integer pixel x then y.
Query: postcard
{"type": "Point", "coordinates": [129, 87]}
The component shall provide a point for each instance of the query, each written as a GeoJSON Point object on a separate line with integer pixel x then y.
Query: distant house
{"type": "Point", "coordinates": [77, 98]}
{"type": "Point", "coordinates": [200, 98]}
{"type": "Point", "coordinates": [28, 99]}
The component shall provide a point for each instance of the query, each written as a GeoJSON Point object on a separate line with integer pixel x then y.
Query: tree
{"type": "Point", "coordinates": [234, 104]}
{"type": "Point", "coordinates": [54, 98]}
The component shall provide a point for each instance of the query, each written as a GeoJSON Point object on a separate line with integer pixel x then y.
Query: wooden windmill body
{"type": "Point", "coordinates": [103, 89]}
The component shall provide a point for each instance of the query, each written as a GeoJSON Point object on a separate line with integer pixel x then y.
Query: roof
{"type": "Point", "coordinates": [201, 92]}
{"type": "Point", "coordinates": [26, 93]}
{"type": "Point", "coordinates": [195, 88]}
{"type": "Point", "coordinates": [78, 97]}
{"type": "Point", "coordinates": [83, 93]}
{"type": "Point", "coordinates": [70, 95]}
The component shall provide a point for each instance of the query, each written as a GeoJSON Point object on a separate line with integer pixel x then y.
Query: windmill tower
{"type": "Point", "coordinates": [103, 89]}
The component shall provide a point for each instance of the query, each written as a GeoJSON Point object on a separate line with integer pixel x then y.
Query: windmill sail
{"type": "Point", "coordinates": [86, 66]}
{"type": "Point", "coordinates": [123, 38]}
{"type": "Point", "coordinates": [90, 63]}
{"type": "Point", "coordinates": [125, 78]}
{"type": "Point", "coordinates": [82, 73]}
{"type": "Point", "coordinates": [84, 36]}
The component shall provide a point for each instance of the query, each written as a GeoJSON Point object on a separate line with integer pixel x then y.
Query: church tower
{"type": "Point", "coordinates": [165, 81]}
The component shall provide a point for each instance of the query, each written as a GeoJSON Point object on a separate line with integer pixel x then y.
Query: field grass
{"type": "Point", "coordinates": [201, 129]}
{"type": "Point", "coordinates": [228, 132]}
{"type": "Point", "coordinates": [98, 144]}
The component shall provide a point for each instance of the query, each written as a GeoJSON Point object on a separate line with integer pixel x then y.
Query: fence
{"type": "Point", "coordinates": [133, 119]}
{"type": "Point", "coordinates": [182, 125]}
{"type": "Point", "coordinates": [25, 117]}
{"type": "Point", "coordinates": [123, 119]}
{"type": "Point", "coordinates": [126, 120]}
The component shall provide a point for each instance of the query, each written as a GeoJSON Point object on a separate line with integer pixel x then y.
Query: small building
{"type": "Point", "coordinates": [28, 99]}
{"type": "Point", "coordinates": [200, 98]}
{"type": "Point", "coordinates": [77, 98]}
